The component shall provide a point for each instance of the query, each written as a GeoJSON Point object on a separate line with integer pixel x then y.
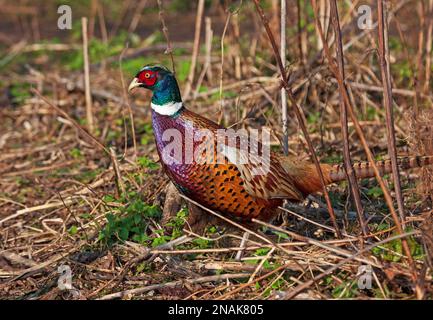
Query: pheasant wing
{"type": "Point", "coordinates": [263, 175]}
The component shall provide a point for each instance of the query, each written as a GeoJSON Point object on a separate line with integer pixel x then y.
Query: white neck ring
{"type": "Point", "coordinates": [167, 109]}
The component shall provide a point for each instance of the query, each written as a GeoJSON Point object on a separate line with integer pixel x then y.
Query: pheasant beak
{"type": "Point", "coordinates": [134, 84]}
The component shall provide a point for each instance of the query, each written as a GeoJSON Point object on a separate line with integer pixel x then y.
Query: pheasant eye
{"type": "Point", "coordinates": [147, 77]}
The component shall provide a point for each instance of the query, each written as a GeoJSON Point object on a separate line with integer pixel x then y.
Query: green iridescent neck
{"type": "Point", "coordinates": [166, 91]}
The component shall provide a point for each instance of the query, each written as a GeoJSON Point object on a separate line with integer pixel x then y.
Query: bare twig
{"type": "Point", "coordinates": [89, 112]}
{"type": "Point", "coordinates": [221, 105]}
{"type": "Point", "coordinates": [419, 59]}
{"type": "Point", "coordinates": [301, 32]}
{"type": "Point", "coordinates": [125, 97]}
{"type": "Point", "coordinates": [283, 92]}
{"type": "Point", "coordinates": [353, 183]}
{"type": "Point", "coordinates": [195, 49]}
{"type": "Point", "coordinates": [169, 49]}
{"type": "Point", "coordinates": [119, 183]}
{"type": "Point", "coordinates": [209, 38]}
{"type": "Point", "coordinates": [102, 24]}
{"type": "Point", "coordinates": [387, 100]}
{"type": "Point", "coordinates": [299, 114]}
{"type": "Point", "coordinates": [138, 12]}
{"type": "Point", "coordinates": [244, 240]}
{"type": "Point", "coordinates": [428, 53]}
{"type": "Point", "coordinates": [172, 284]}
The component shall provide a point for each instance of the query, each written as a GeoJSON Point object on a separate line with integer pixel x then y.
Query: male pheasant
{"type": "Point", "coordinates": [231, 187]}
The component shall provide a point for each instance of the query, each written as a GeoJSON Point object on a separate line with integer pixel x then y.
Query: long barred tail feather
{"type": "Point", "coordinates": [365, 169]}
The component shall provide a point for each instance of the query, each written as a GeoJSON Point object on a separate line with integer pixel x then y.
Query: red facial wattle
{"type": "Point", "coordinates": [147, 77]}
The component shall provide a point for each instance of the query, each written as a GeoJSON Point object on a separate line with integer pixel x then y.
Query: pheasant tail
{"type": "Point", "coordinates": [365, 169]}
{"type": "Point", "coordinates": [307, 179]}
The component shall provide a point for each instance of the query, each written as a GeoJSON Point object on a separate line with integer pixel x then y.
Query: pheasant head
{"type": "Point", "coordinates": [166, 99]}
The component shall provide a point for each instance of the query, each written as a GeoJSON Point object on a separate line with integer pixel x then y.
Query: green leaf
{"type": "Point", "coordinates": [281, 235]}
{"type": "Point", "coordinates": [158, 241]}
{"type": "Point", "coordinates": [108, 198]}
{"type": "Point", "coordinates": [137, 219]}
{"type": "Point", "coordinates": [182, 70]}
{"type": "Point", "coordinates": [73, 230]}
{"type": "Point", "coordinates": [75, 153]}
{"type": "Point", "coordinates": [147, 163]}
{"type": "Point", "coordinates": [123, 234]}
{"type": "Point", "coordinates": [262, 251]}
{"type": "Point", "coordinates": [86, 216]}
{"type": "Point", "coordinates": [375, 192]}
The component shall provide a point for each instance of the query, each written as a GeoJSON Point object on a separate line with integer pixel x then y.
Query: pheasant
{"type": "Point", "coordinates": [231, 187]}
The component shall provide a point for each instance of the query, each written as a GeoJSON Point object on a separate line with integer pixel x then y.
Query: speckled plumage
{"type": "Point", "coordinates": [217, 186]}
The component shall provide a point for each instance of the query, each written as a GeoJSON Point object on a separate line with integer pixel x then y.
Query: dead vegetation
{"type": "Point", "coordinates": [80, 183]}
